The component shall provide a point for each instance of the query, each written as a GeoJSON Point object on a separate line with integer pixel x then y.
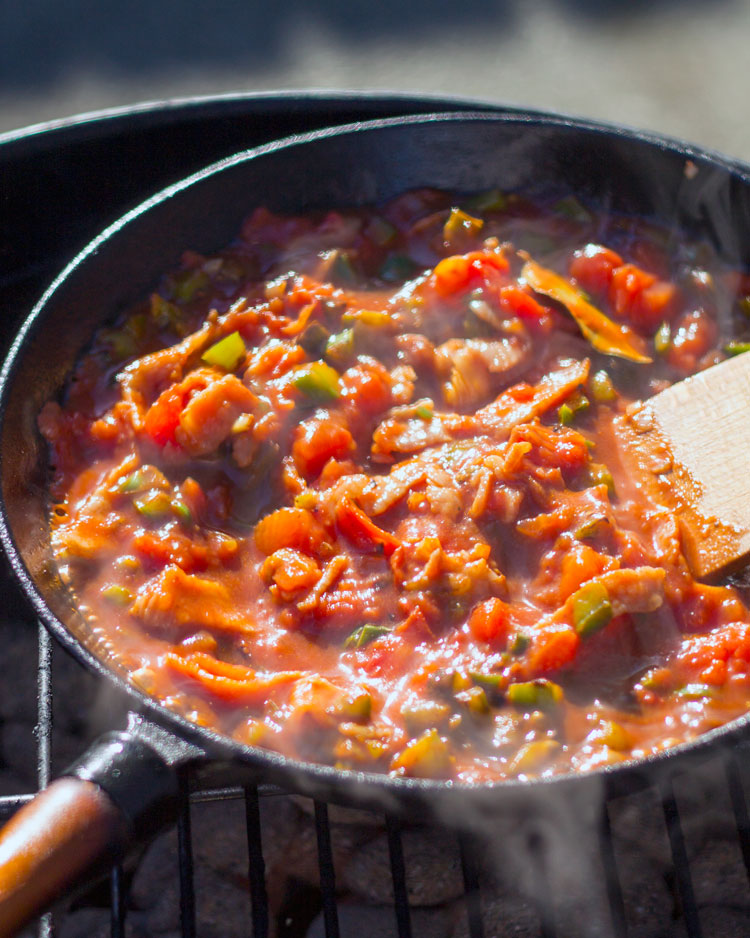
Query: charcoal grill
{"type": "Point", "coordinates": [67, 169]}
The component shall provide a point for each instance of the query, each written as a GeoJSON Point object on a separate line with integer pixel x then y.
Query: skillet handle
{"type": "Point", "coordinates": [52, 844]}
{"type": "Point", "coordinates": [123, 791]}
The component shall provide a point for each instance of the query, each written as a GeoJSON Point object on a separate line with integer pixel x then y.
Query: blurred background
{"type": "Point", "coordinates": [677, 66]}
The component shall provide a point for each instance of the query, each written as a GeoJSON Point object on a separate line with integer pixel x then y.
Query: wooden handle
{"type": "Point", "coordinates": [51, 844]}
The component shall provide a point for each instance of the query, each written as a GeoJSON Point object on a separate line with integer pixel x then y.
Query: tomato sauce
{"type": "Point", "coordinates": [351, 489]}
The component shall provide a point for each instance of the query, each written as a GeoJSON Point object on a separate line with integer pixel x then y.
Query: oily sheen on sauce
{"type": "Point", "coordinates": [352, 488]}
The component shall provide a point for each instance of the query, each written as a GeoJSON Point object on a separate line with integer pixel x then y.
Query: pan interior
{"type": "Point", "coordinates": [610, 170]}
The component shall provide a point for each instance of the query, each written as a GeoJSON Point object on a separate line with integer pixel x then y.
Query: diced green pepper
{"type": "Point", "coordinates": [127, 563]}
{"type": "Point", "coordinates": [380, 231]}
{"type": "Point", "coordinates": [314, 339]}
{"type": "Point", "coordinates": [539, 694]}
{"type": "Point", "coordinates": [425, 757]}
{"type": "Point", "coordinates": [397, 267]}
{"type": "Point", "coordinates": [592, 609]}
{"type": "Point", "coordinates": [493, 200]}
{"type": "Point", "coordinates": [602, 388]}
{"type": "Point", "coordinates": [572, 208]}
{"type": "Point", "coordinates": [186, 285]}
{"type": "Point", "coordinates": [135, 482]}
{"type": "Point", "coordinates": [342, 267]}
{"type": "Point", "coordinates": [318, 382]}
{"type": "Point", "coordinates": [227, 352]}
{"type": "Point", "coordinates": [165, 314]}
{"type": "Point", "coordinates": [461, 223]}
{"type": "Point", "coordinates": [736, 348]}
{"type": "Point", "coordinates": [532, 756]}
{"type": "Point", "coordinates": [600, 475]}
{"type": "Point", "coordinates": [660, 680]}
{"type": "Point", "coordinates": [182, 511]}
{"type": "Point", "coordinates": [136, 325]}
{"type": "Point", "coordinates": [519, 643]}
{"type": "Point", "coordinates": [147, 477]}
{"type": "Point", "coordinates": [475, 701]}
{"type": "Point", "coordinates": [356, 709]}
{"type": "Point", "coordinates": [424, 715]}
{"type": "Point", "coordinates": [121, 344]}
{"type": "Point", "coordinates": [576, 404]}
{"type": "Point", "coordinates": [377, 318]}
{"type": "Point", "coordinates": [153, 504]}
{"type": "Point", "coordinates": [424, 412]}
{"type": "Point", "coordinates": [612, 735]}
{"type": "Point", "coordinates": [696, 691]}
{"type": "Point", "coordinates": [744, 304]}
{"type": "Point", "coordinates": [591, 529]}
{"type": "Point", "coordinates": [490, 682]}
{"type": "Point", "coordinates": [119, 595]}
{"type": "Point", "coordinates": [663, 339]}
{"type": "Point", "coordinates": [459, 681]}
{"type": "Point", "coordinates": [305, 500]}
{"type": "Point", "coordinates": [340, 347]}
{"type": "Point", "coordinates": [565, 415]}
{"type": "Point", "coordinates": [365, 634]}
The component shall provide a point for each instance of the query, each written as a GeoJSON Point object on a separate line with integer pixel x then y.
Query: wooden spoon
{"type": "Point", "coordinates": [690, 449]}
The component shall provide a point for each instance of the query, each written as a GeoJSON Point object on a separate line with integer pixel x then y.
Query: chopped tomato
{"type": "Point", "coordinates": [316, 441]}
{"type": "Point", "coordinates": [490, 621]}
{"type": "Point", "coordinates": [693, 335]}
{"type": "Point", "coordinates": [552, 649]}
{"type": "Point", "coordinates": [366, 387]}
{"type": "Point", "coordinates": [362, 530]}
{"type": "Point", "coordinates": [641, 298]}
{"type": "Point", "coordinates": [593, 267]}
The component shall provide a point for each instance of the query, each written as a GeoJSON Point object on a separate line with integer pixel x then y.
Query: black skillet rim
{"type": "Point", "coordinates": [320, 780]}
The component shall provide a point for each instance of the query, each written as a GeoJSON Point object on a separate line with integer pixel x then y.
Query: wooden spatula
{"type": "Point", "coordinates": [690, 448]}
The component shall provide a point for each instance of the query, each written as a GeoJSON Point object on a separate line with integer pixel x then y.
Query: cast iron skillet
{"type": "Point", "coordinates": [126, 786]}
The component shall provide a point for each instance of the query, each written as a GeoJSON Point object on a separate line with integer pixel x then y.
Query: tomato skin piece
{"type": "Point", "coordinates": [552, 649]}
{"type": "Point", "coordinates": [362, 530]}
{"type": "Point", "coordinates": [490, 621]}
{"type": "Point", "coordinates": [318, 440]}
{"type": "Point", "coordinates": [366, 387]}
{"type": "Point", "coordinates": [231, 683]}
{"type": "Point", "coordinates": [692, 336]}
{"type": "Point", "coordinates": [522, 304]}
{"type": "Point", "coordinates": [579, 564]}
{"type": "Point", "coordinates": [163, 417]}
{"type": "Point", "coordinates": [288, 527]}
{"type": "Point", "coordinates": [641, 298]}
{"type": "Point", "coordinates": [174, 547]}
{"type": "Point", "coordinates": [593, 267]}
{"type": "Point", "coordinates": [456, 273]}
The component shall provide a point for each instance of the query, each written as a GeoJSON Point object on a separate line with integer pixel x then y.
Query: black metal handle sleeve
{"type": "Point", "coordinates": [122, 791]}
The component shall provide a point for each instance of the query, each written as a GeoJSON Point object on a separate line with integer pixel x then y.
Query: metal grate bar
{"type": "Point", "coordinates": [256, 864]}
{"type": "Point", "coordinates": [117, 900]}
{"type": "Point", "coordinates": [327, 873]}
{"type": "Point", "coordinates": [739, 806]}
{"type": "Point", "coordinates": [9, 804]}
{"type": "Point", "coordinates": [43, 732]}
{"type": "Point", "coordinates": [611, 879]}
{"type": "Point", "coordinates": [185, 858]}
{"type": "Point", "coordinates": [44, 705]}
{"type": "Point", "coordinates": [472, 895]}
{"type": "Point", "coordinates": [398, 874]}
{"type": "Point", "coordinates": [680, 860]}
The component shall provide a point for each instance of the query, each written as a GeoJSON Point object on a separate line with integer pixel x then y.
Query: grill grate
{"type": "Point", "coordinates": [687, 920]}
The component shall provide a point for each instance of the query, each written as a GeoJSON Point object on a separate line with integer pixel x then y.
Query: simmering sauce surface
{"type": "Point", "coordinates": [351, 489]}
